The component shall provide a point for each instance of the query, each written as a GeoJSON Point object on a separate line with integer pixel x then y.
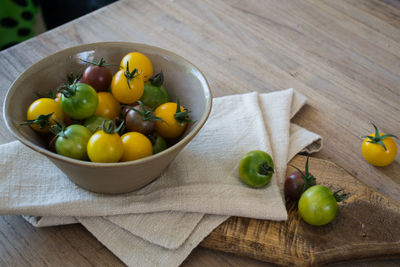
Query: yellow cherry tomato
{"type": "Point", "coordinates": [379, 149]}
{"type": "Point", "coordinates": [375, 153]}
{"type": "Point", "coordinates": [127, 93]}
{"type": "Point", "coordinates": [44, 106]}
{"type": "Point", "coordinates": [136, 146]}
{"type": "Point", "coordinates": [139, 61]}
{"type": "Point", "coordinates": [172, 124]}
{"type": "Point", "coordinates": [107, 106]}
{"type": "Point", "coordinates": [105, 147]}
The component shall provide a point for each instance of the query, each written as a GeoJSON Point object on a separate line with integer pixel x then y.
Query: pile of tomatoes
{"type": "Point", "coordinates": [105, 117]}
{"type": "Point", "coordinates": [317, 204]}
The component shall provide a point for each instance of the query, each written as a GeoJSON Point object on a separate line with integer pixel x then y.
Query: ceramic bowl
{"type": "Point", "coordinates": [182, 79]}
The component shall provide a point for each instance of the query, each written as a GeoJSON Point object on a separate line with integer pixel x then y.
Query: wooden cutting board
{"type": "Point", "coordinates": [367, 227]}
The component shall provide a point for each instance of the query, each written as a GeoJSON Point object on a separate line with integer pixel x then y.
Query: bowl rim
{"type": "Point", "coordinates": [88, 46]}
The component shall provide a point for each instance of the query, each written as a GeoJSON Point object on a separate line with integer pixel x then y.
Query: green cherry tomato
{"type": "Point", "coordinates": [158, 143]}
{"type": "Point", "coordinates": [72, 142]}
{"type": "Point", "coordinates": [317, 205]}
{"type": "Point", "coordinates": [154, 93]}
{"type": "Point", "coordinates": [94, 123]}
{"type": "Point", "coordinates": [79, 101]}
{"type": "Point", "coordinates": [256, 168]}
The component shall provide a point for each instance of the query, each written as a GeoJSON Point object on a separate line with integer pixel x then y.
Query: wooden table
{"type": "Point", "coordinates": [344, 55]}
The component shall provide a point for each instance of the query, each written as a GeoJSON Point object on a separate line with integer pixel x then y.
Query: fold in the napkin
{"type": "Point", "coordinates": [211, 186]}
{"type": "Point", "coordinates": [168, 229]}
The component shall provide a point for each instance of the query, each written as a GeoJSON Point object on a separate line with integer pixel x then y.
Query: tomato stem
{"type": "Point", "coordinates": [147, 115]}
{"type": "Point", "coordinates": [58, 129]}
{"type": "Point", "coordinates": [108, 126]}
{"type": "Point", "coordinates": [340, 197]}
{"type": "Point", "coordinates": [130, 75]}
{"type": "Point", "coordinates": [309, 179]}
{"type": "Point", "coordinates": [68, 90]}
{"type": "Point", "coordinates": [72, 77]}
{"type": "Point", "coordinates": [100, 63]}
{"type": "Point", "coordinates": [378, 138]}
{"type": "Point", "coordinates": [158, 79]}
{"type": "Point", "coordinates": [49, 94]}
{"type": "Point", "coordinates": [42, 120]}
{"type": "Point", "coordinates": [266, 169]}
{"type": "Point", "coordinates": [182, 116]}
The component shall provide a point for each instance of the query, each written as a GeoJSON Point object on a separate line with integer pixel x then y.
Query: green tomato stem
{"type": "Point", "coordinates": [42, 120]}
{"type": "Point", "coordinates": [130, 75]}
{"type": "Point", "coordinates": [108, 127]}
{"type": "Point", "coordinates": [100, 63]}
{"type": "Point", "coordinates": [265, 169]}
{"type": "Point", "coordinates": [158, 79]}
{"type": "Point", "coordinates": [69, 90]}
{"type": "Point", "coordinates": [58, 129]}
{"type": "Point", "coordinates": [309, 179]}
{"type": "Point", "coordinates": [72, 77]}
{"type": "Point", "coordinates": [49, 94]}
{"type": "Point", "coordinates": [340, 197]}
{"type": "Point", "coordinates": [182, 116]}
{"type": "Point", "coordinates": [147, 115]}
{"type": "Point", "coordinates": [378, 139]}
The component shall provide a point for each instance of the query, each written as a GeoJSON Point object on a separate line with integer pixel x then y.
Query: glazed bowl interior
{"type": "Point", "coordinates": [181, 79]}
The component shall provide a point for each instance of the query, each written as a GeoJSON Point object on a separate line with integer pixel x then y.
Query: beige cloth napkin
{"type": "Point", "coordinates": [211, 186]}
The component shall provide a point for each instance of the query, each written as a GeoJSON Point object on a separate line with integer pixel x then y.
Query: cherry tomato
{"type": "Point", "coordinates": [37, 111]}
{"type": "Point", "coordinates": [317, 205]}
{"type": "Point", "coordinates": [297, 182]}
{"type": "Point", "coordinates": [379, 149]}
{"type": "Point", "coordinates": [154, 93]}
{"type": "Point", "coordinates": [158, 143]}
{"type": "Point", "coordinates": [140, 62]}
{"type": "Point", "coordinates": [136, 146]}
{"type": "Point", "coordinates": [294, 184]}
{"type": "Point", "coordinates": [127, 87]}
{"type": "Point", "coordinates": [256, 168]}
{"type": "Point", "coordinates": [97, 75]}
{"type": "Point", "coordinates": [79, 101]}
{"type": "Point", "coordinates": [140, 119]}
{"type": "Point", "coordinates": [124, 110]}
{"type": "Point", "coordinates": [105, 145]}
{"type": "Point", "coordinates": [108, 106]}
{"type": "Point", "coordinates": [174, 120]}
{"type": "Point", "coordinates": [72, 141]}
{"type": "Point", "coordinates": [95, 123]}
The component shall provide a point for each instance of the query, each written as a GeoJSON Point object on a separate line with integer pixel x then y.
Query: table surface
{"type": "Point", "coordinates": [344, 55]}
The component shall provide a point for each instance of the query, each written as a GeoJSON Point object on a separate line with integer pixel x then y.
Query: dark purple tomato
{"type": "Point", "coordinates": [125, 109]}
{"type": "Point", "coordinates": [98, 76]}
{"type": "Point", "coordinates": [294, 185]}
{"type": "Point", "coordinates": [140, 119]}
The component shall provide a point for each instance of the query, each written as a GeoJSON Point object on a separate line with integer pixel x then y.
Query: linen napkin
{"type": "Point", "coordinates": [211, 186]}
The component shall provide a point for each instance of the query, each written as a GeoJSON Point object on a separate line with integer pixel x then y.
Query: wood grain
{"type": "Point", "coordinates": [344, 55]}
{"type": "Point", "coordinates": [366, 227]}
